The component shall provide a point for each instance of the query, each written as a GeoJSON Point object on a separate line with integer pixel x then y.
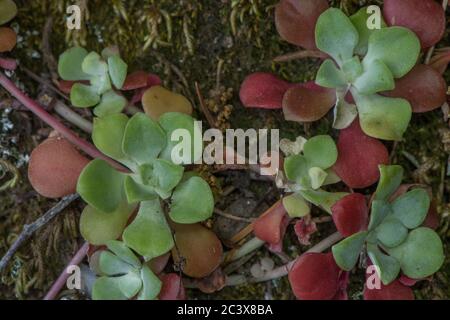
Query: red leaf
{"type": "Point", "coordinates": [66, 86]}
{"type": "Point", "coordinates": [304, 228]}
{"type": "Point", "coordinates": [351, 214]}
{"type": "Point", "coordinates": [172, 287]}
{"type": "Point", "coordinates": [432, 220]}
{"type": "Point", "coordinates": [315, 276]}
{"type": "Point", "coordinates": [54, 168]}
{"type": "Point", "coordinates": [359, 157]}
{"type": "Point", "coordinates": [440, 60]}
{"type": "Point", "coordinates": [296, 20]}
{"type": "Point", "coordinates": [423, 87]}
{"type": "Point", "coordinates": [8, 64]}
{"type": "Point", "coordinates": [425, 17]}
{"type": "Point", "coordinates": [407, 281]}
{"type": "Point", "coordinates": [158, 264]}
{"type": "Point", "coordinates": [263, 90]}
{"type": "Point", "coordinates": [308, 102]}
{"type": "Point", "coordinates": [140, 79]}
{"type": "Point", "coordinates": [268, 226]}
{"type": "Point", "coordinates": [394, 291]}
{"type": "Point", "coordinates": [344, 279]}
{"type": "Point", "coordinates": [278, 247]}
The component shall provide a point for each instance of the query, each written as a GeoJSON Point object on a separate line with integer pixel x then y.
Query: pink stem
{"type": "Point", "coordinates": [61, 281]}
{"type": "Point", "coordinates": [8, 64]}
{"type": "Point", "coordinates": [33, 106]}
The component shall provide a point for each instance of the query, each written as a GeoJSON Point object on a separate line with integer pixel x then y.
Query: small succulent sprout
{"type": "Point", "coordinates": [423, 87]}
{"type": "Point", "coordinates": [308, 102]}
{"type": "Point", "coordinates": [263, 90]}
{"type": "Point", "coordinates": [54, 168]}
{"type": "Point", "coordinates": [158, 100]}
{"type": "Point", "coordinates": [268, 227]}
{"type": "Point", "coordinates": [140, 143]}
{"type": "Point", "coordinates": [359, 157]}
{"type": "Point", "coordinates": [394, 239]}
{"type": "Point", "coordinates": [350, 214]}
{"type": "Point", "coordinates": [425, 17]}
{"type": "Point", "coordinates": [198, 251]}
{"type": "Point", "coordinates": [8, 39]}
{"type": "Point", "coordinates": [123, 276]}
{"type": "Point", "coordinates": [172, 287]}
{"type": "Point", "coordinates": [8, 10]}
{"type": "Point", "coordinates": [295, 20]}
{"type": "Point", "coordinates": [314, 276]}
{"type": "Point", "coordinates": [390, 53]}
{"type": "Point", "coordinates": [105, 73]}
{"type": "Point", "coordinates": [393, 291]}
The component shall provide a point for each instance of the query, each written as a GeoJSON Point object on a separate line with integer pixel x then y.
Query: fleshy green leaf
{"type": "Point", "coordinates": [320, 151]}
{"type": "Point", "coordinates": [181, 150]}
{"type": "Point", "coordinates": [322, 198]}
{"type": "Point", "coordinates": [380, 210]}
{"type": "Point", "coordinates": [352, 69]}
{"type": "Point", "coordinates": [421, 254]}
{"type": "Point", "coordinates": [101, 186]}
{"type": "Point", "coordinates": [112, 265]}
{"type": "Point", "coordinates": [151, 285]}
{"type": "Point", "coordinates": [69, 64]}
{"type": "Point", "coordinates": [411, 208]}
{"type": "Point", "coordinates": [331, 178]}
{"type": "Point", "coordinates": [136, 191]}
{"type": "Point", "coordinates": [390, 179]}
{"type": "Point", "coordinates": [359, 20]}
{"type": "Point", "coordinates": [166, 175]}
{"type": "Point", "coordinates": [106, 288]}
{"type": "Point", "coordinates": [8, 11]}
{"type": "Point", "coordinates": [130, 284]}
{"type": "Point", "coordinates": [192, 201]}
{"type": "Point", "coordinates": [123, 252]}
{"type": "Point", "coordinates": [93, 65]}
{"type": "Point", "coordinates": [143, 139]}
{"type": "Point", "coordinates": [98, 227]}
{"type": "Point", "coordinates": [117, 70]}
{"type": "Point", "coordinates": [391, 232]}
{"type": "Point", "coordinates": [296, 169]}
{"type": "Point", "coordinates": [107, 135]}
{"type": "Point", "coordinates": [83, 96]}
{"type": "Point", "coordinates": [344, 113]}
{"type": "Point", "coordinates": [388, 267]}
{"type": "Point", "coordinates": [381, 117]}
{"type": "Point", "coordinates": [336, 35]}
{"type": "Point", "coordinates": [346, 252]}
{"type": "Point", "coordinates": [101, 84]}
{"type": "Point", "coordinates": [397, 47]}
{"type": "Point", "coordinates": [376, 78]}
{"type": "Point", "coordinates": [317, 177]}
{"type": "Point", "coordinates": [329, 76]}
{"type": "Point", "coordinates": [296, 206]}
{"type": "Point", "coordinates": [111, 103]}
{"type": "Point", "coordinates": [149, 234]}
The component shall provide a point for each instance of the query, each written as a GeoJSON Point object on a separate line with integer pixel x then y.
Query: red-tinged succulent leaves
{"type": "Point", "coordinates": [351, 214]}
{"type": "Point", "coordinates": [359, 157]}
{"type": "Point", "coordinates": [172, 287]}
{"type": "Point", "coordinates": [393, 291]}
{"type": "Point", "coordinates": [308, 103]}
{"type": "Point", "coordinates": [296, 20]}
{"type": "Point", "coordinates": [140, 79]}
{"type": "Point", "coordinates": [425, 17]}
{"type": "Point", "coordinates": [54, 168]}
{"type": "Point", "coordinates": [268, 227]}
{"type": "Point", "coordinates": [199, 247]}
{"type": "Point", "coordinates": [423, 87]}
{"type": "Point", "coordinates": [440, 60]}
{"type": "Point", "coordinates": [263, 90]}
{"type": "Point", "coordinates": [314, 276]}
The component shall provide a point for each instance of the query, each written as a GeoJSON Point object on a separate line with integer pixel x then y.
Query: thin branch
{"type": "Point", "coordinates": [300, 55]}
{"type": "Point", "coordinates": [62, 279]}
{"type": "Point", "coordinates": [232, 217]}
{"type": "Point", "coordinates": [71, 116]}
{"type": "Point", "coordinates": [55, 123]}
{"type": "Point", "coordinates": [204, 109]}
{"type": "Point", "coordinates": [29, 229]}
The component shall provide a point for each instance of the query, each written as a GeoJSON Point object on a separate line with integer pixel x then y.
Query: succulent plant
{"type": "Point", "coordinates": [393, 236]}
{"type": "Point", "coordinates": [96, 76]}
